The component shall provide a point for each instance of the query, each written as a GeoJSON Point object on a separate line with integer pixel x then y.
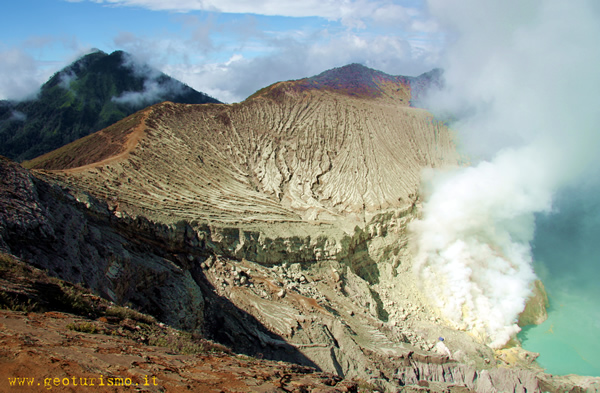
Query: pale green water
{"type": "Point", "coordinates": [568, 341]}
{"type": "Point", "coordinates": [567, 254]}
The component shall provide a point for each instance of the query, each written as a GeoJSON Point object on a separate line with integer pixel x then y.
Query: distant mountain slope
{"type": "Point", "coordinates": [92, 93]}
{"type": "Point", "coordinates": [358, 80]}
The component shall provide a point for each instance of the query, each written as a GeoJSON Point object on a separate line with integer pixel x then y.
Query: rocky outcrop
{"type": "Point", "coordinates": [79, 242]}
{"type": "Point", "coordinates": [535, 309]}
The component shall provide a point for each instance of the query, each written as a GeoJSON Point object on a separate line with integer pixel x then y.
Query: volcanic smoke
{"type": "Point", "coordinates": [522, 89]}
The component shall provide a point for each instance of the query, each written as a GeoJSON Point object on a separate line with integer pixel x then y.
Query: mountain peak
{"type": "Point", "coordinates": [355, 80]}
{"type": "Point", "coordinates": [348, 70]}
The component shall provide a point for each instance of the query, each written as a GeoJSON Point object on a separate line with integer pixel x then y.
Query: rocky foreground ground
{"type": "Point", "coordinates": [40, 351]}
{"type": "Point", "coordinates": [108, 348]}
{"type": "Point", "coordinates": [101, 347]}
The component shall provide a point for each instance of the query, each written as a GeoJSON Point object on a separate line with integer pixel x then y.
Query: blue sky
{"type": "Point", "coordinates": [227, 48]}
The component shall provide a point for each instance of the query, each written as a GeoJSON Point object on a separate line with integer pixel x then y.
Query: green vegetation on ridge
{"type": "Point", "coordinates": [92, 93]}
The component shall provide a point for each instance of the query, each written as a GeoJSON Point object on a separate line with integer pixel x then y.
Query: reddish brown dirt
{"type": "Point", "coordinates": [100, 148]}
{"type": "Point", "coordinates": [40, 347]}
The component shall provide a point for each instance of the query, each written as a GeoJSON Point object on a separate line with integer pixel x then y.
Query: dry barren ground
{"type": "Point", "coordinates": [40, 352]}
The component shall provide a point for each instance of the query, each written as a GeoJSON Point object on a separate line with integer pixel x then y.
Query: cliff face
{"type": "Point", "coordinates": [349, 307]}
{"type": "Point", "coordinates": [78, 241]}
{"type": "Point", "coordinates": [276, 226]}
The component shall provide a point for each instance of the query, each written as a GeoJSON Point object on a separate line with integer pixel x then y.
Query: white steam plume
{"type": "Point", "coordinates": [523, 79]}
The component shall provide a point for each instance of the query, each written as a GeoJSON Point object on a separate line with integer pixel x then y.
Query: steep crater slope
{"type": "Point", "coordinates": [288, 153]}
{"type": "Point", "coordinates": [284, 217]}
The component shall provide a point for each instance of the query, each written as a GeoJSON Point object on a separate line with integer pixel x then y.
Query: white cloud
{"type": "Point", "coordinates": [66, 78]}
{"type": "Point", "coordinates": [392, 14]}
{"type": "Point", "coordinates": [323, 8]}
{"type": "Point", "coordinates": [148, 50]}
{"type": "Point", "coordinates": [23, 68]}
{"type": "Point", "coordinates": [154, 90]}
{"type": "Point", "coordinates": [21, 74]}
{"type": "Point", "coordinates": [352, 13]}
{"type": "Point", "coordinates": [17, 116]}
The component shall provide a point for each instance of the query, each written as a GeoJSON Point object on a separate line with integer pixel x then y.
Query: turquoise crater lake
{"type": "Point", "coordinates": [567, 254]}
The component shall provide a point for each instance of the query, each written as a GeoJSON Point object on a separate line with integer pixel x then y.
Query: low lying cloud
{"type": "Point", "coordinates": [21, 75]}
{"type": "Point", "coordinates": [153, 92]}
{"type": "Point", "coordinates": [66, 77]}
{"type": "Point", "coordinates": [18, 116]}
{"type": "Point", "coordinates": [25, 73]}
{"type": "Point", "coordinates": [156, 88]}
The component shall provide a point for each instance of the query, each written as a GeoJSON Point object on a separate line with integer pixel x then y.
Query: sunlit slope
{"type": "Point", "coordinates": [288, 153]}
